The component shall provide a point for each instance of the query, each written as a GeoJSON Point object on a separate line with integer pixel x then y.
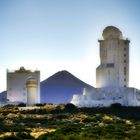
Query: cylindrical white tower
{"type": "Point", "coordinates": [31, 85]}
{"type": "Point", "coordinates": [113, 70]}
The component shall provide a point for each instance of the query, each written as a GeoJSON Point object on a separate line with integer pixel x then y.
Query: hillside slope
{"type": "Point", "coordinates": [3, 95]}
{"type": "Point", "coordinates": [60, 87]}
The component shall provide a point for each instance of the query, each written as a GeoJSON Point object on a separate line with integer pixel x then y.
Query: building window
{"type": "Point", "coordinates": [110, 65]}
{"type": "Point", "coordinates": [124, 49]}
{"type": "Point", "coordinates": [124, 85]}
{"type": "Point", "coordinates": [124, 61]}
{"type": "Point", "coordinates": [124, 55]}
{"type": "Point", "coordinates": [125, 79]}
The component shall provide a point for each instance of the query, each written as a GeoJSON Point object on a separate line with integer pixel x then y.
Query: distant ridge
{"type": "Point", "coordinates": [60, 87]}
{"type": "Point", "coordinates": [3, 95]}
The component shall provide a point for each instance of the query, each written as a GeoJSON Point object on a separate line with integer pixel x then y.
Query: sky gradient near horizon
{"type": "Point", "coordinates": [55, 35]}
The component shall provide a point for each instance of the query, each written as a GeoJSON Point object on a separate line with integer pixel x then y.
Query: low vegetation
{"type": "Point", "coordinates": [66, 122]}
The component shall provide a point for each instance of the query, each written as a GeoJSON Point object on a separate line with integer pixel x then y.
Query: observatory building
{"type": "Point", "coordinates": [113, 70]}
{"type": "Point", "coordinates": [23, 86]}
{"type": "Point", "coordinates": [112, 75]}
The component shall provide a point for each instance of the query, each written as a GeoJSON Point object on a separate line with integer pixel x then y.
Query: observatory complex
{"type": "Point", "coordinates": [23, 86]}
{"type": "Point", "coordinates": [112, 75]}
{"type": "Point", "coordinates": [112, 78]}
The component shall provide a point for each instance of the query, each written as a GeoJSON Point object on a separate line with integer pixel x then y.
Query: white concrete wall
{"type": "Point", "coordinates": [107, 96]}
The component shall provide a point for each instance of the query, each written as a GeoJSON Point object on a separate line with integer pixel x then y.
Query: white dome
{"type": "Point", "coordinates": [31, 80]}
{"type": "Point", "coordinates": [111, 32]}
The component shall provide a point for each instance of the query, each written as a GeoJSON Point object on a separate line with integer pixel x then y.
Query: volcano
{"type": "Point", "coordinates": [60, 87]}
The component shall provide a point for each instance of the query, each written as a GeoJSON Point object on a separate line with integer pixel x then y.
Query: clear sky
{"type": "Point", "coordinates": [54, 35]}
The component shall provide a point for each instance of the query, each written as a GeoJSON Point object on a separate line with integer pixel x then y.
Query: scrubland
{"type": "Point", "coordinates": [66, 122]}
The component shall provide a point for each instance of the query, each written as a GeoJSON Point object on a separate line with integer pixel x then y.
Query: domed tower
{"type": "Point", "coordinates": [31, 85]}
{"type": "Point", "coordinates": [113, 70]}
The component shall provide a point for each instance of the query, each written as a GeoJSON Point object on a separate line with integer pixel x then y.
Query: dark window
{"type": "Point", "coordinates": [124, 85]}
{"type": "Point", "coordinates": [124, 49]}
{"type": "Point", "coordinates": [110, 65]}
{"type": "Point", "coordinates": [124, 61]}
{"type": "Point", "coordinates": [124, 55]}
{"type": "Point", "coordinates": [124, 79]}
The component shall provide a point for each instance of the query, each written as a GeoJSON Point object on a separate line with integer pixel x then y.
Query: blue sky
{"type": "Point", "coordinates": [54, 35]}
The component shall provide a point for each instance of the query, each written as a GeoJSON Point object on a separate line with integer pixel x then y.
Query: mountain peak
{"type": "Point", "coordinates": [62, 74]}
{"type": "Point", "coordinates": [60, 87]}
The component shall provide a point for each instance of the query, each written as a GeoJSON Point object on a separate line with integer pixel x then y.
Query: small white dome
{"type": "Point", "coordinates": [111, 32]}
{"type": "Point", "coordinates": [31, 80]}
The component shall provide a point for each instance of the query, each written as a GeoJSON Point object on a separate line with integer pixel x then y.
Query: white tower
{"type": "Point", "coordinates": [31, 86]}
{"type": "Point", "coordinates": [113, 70]}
